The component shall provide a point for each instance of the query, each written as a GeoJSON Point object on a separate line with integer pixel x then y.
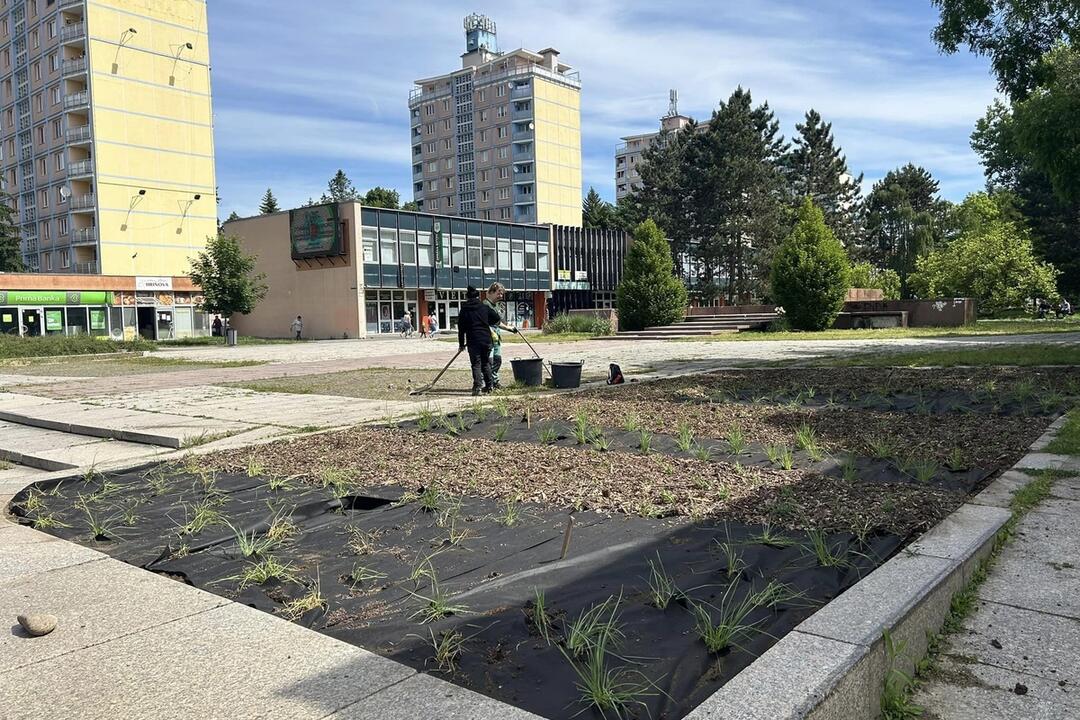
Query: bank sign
{"type": "Point", "coordinates": [54, 297]}
{"type": "Point", "coordinates": [315, 232]}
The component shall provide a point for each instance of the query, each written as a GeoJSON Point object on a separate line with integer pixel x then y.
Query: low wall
{"type": "Point", "coordinates": [864, 294]}
{"type": "Point", "coordinates": [944, 312]}
{"type": "Point", "coordinates": [730, 310]}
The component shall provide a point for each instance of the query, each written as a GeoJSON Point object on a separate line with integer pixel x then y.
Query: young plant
{"type": "Point", "coordinates": [363, 574]}
{"type": "Point", "coordinates": [582, 431]}
{"type": "Point", "coordinates": [437, 605]}
{"type": "Point", "coordinates": [360, 542]}
{"type": "Point", "coordinates": [281, 529]}
{"type": "Point", "coordinates": [849, 470]}
{"type": "Point", "coordinates": [956, 460]}
{"type": "Point", "coordinates": [538, 615]}
{"type": "Point", "coordinates": [736, 440]}
{"type": "Point", "coordinates": [895, 695]}
{"type": "Point", "coordinates": [101, 528]}
{"type": "Point", "coordinates": [660, 584]}
{"type": "Point", "coordinates": [881, 447]}
{"type": "Point", "coordinates": [780, 455]}
{"type": "Point", "coordinates": [267, 569]}
{"type": "Point", "coordinates": [447, 648]}
{"type": "Point", "coordinates": [511, 512]}
{"type": "Point", "coordinates": [594, 626]}
{"type": "Point", "coordinates": [769, 536]}
{"type": "Point", "coordinates": [425, 419]}
{"type": "Point", "coordinates": [251, 544]}
{"type": "Point", "coordinates": [631, 423]}
{"type": "Point", "coordinates": [480, 410]}
{"type": "Point", "coordinates": [805, 437]}
{"type": "Point", "coordinates": [430, 498]}
{"type": "Point", "coordinates": [685, 439]}
{"type": "Point", "coordinates": [610, 690]}
{"type": "Point", "coordinates": [279, 482]}
{"type": "Point", "coordinates": [924, 470]}
{"type": "Point", "coordinates": [500, 433]}
{"type": "Point", "coordinates": [644, 441]}
{"type": "Point", "coordinates": [547, 435]}
{"type": "Point", "coordinates": [600, 443]}
{"type": "Point", "coordinates": [702, 453]}
{"type": "Point", "coordinates": [827, 554]}
{"type": "Point", "coordinates": [45, 521]}
{"type": "Point", "coordinates": [200, 516]}
{"type": "Point", "coordinates": [502, 407]}
{"type": "Point", "coordinates": [733, 562]}
{"type": "Point", "coordinates": [254, 467]}
{"type": "Point", "coordinates": [311, 600]}
{"type": "Point", "coordinates": [731, 624]}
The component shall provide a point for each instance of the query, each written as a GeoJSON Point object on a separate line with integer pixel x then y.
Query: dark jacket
{"type": "Point", "coordinates": [474, 325]}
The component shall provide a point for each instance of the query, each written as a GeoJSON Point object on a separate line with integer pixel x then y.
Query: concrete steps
{"type": "Point", "coordinates": [699, 326]}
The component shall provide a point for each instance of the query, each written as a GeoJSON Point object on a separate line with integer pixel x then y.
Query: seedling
{"type": "Point", "coordinates": [480, 410]}
{"type": "Point", "coordinates": [500, 433]}
{"type": "Point", "coordinates": [425, 419]}
{"type": "Point", "coordinates": [48, 520]}
{"type": "Point", "coordinates": [281, 529]}
{"type": "Point", "coordinates": [733, 562]}
{"type": "Point", "coordinates": [702, 453]}
{"type": "Point", "coordinates": [925, 470]}
{"type": "Point", "coordinates": [827, 554]}
{"type": "Point", "coordinates": [601, 443]}
{"type": "Point", "coordinates": [200, 516]}
{"type": "Point", "coordinates": [805, 437]}
{"type": "Point", "coordinates": [279, 482]}
{"type": "Point", "coordinates": [631, 423]}
{"type": "Point", "coordinates": [539, 616]}
{"type": "Point", "coordinates": [732, 625]}
{"type": "Point", "coordinates": [644, 441]}
{"type": "Point", "coordinates": [430, 498]}
{"type": "Point", "coordinates": [895, 697]}
{"type": "Point", "coordinates": [267, 569]}
{"type": "Point", "coordinates": [251, 544]}
{"type": "Point", "coordinates": [660, 584]}
{"type": "Point", "coordinates": [363, 574]}
{"type": "Point", "coordinates": [769, 536]}
{"type": "Point", "coordinates": [547, 434]}
{"type": "Point", "coordinates": [849, 469]}
{"type": "Point", "coordinates": [254, 467]}
{"type": "Point", "coordinates": [502, 407]}
{"type": "Point", "coordinates": [780, 455]}
{"type": "Point", "coordinates": [447, 648]}
{"type": "Point", "coordinates": [595, 626]}
{"type": "Point", "coordinates": [511, 512]}
{"type": "Point", "coordinates": [881, 447]}
{"type": "Point", "coordinates": [609, 690]}
{"type": "Point", "coordinates": [685, 439]}
{"type": "Point", "coordinates": [736, 440]}
{"type": "Point", "coordinates": [956, 460]}
{"type": "Point", "coordinates": [437, 605]}
{"type": "Point", "coordinates": [581, 428]}
{"type": "Point", "coordinates": [311, 600]}
{"type": "Point", "coordinates": [360, 542]}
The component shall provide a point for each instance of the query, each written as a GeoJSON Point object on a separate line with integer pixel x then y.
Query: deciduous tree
{"type": "Point", "coordinates": [11, 259]}
{"type": "Point", "coordinates": [227, 277]}
{"type": "Point", "coordinates": [381, 197]}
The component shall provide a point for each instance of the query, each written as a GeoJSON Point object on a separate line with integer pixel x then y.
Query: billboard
{"type": "Point", "coordinates": [315, 232]}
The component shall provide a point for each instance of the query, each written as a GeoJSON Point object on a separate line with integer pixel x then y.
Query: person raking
{"type": "Point", "coordinates": [474, 333]}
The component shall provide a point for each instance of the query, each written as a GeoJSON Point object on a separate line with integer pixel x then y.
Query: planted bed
{"type": "Point", "coordinates": [618, 552]}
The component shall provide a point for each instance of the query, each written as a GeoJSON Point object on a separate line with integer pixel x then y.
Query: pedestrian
{"type": "Point", "coordinates": [474, 333]}
{"type": "Point", "coordinates": [298, 327]}
{"type": "Point", "coordinates": [434, 325]}
{"type": "Point", "coordinates": [425, 325]}
{"type": "Point", "coordinates": [495, 295]}
{"type": "Point", "coordinates": [406, 325]}
{"type": "Point", "coordinates": [215, 328]}
{"type": "Point", "coordinates": [1064, 309]}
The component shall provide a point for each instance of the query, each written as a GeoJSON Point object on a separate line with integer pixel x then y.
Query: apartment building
{"type": "Point", "coordinates": [499, 139]}
{"type": "Point", "coordinates": [628, 152]}
{"type": "Point", "coordinates": [106, 133]}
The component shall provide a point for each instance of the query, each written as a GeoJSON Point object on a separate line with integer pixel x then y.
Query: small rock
{"type": "Point", "coordinates": [38, 624]}
{"type": "Point", "coordinates": [1020, 689]}
{"type": "Point", "coordinates": [996, 643]}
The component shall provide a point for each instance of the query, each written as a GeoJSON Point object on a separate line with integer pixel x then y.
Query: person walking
{"type": "Point", "coordinates": [474, 333]}
{"type": "Point", "coordinates": [495, 295]}
{"type": "Point", "coordinates": [433, 324]}
{"type": "Point", "coordinates": [298, 327]}
{"type": "Point", "coordinates": [406, 325]}
{"type": "Point", "coordinates": [425, 325]}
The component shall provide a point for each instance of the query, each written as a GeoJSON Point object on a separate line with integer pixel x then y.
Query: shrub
{"type": "Point", "coordinates": [649, 293]}
{"type": "Point", "coordinates": [811, 273]}
{"type": "Point", "coordinates": [13, 346]}
{"type": "Point", "coordinates": [580, 323]}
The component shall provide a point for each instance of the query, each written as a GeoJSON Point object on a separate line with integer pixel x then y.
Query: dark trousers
{"type": "Point", "coordinates": [480, 359]}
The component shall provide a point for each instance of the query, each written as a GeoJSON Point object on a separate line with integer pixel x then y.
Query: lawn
{"type": "Point", "coordinates": [981, 327]}
{"type": "Point", "coordinates": [110, 365]}
{"type": "Point", "coordinates": [1067, 441]}
{"type": "Point", "coordinates": [13, 346]}
{"type": "Point", "coordinates": [999, 355]}
{"type": "Point", "coordinates": [662, 535]}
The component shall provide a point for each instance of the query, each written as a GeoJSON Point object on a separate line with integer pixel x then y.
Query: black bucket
{"type": "Point", "coordinates": [566, 374]}
{"type": "Point", "coordinates": [529, 371]}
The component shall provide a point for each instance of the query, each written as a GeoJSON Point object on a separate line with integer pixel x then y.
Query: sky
{"type": "Point", "coordinates": [301, 90]}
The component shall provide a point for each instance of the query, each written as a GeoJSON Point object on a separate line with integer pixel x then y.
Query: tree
{"type": "Point", "coordinates": [817, 169]}
{"type": "Point", "coordinates": [1015, 34]}
{"type": "Point", "coordinates": [340, 189]}
{"type": "Point", "coordinates": [227, 278]}
{"type": "Point", "coordinates": [904, 220]}
{"type": "Point", "coordinates": [811, 273]}
{"type": "Point", "coordinates": [865, 275]}
{"type": "Point", "coordinates": [11, 259]}
{"type": "Point", "coordinates": [269, 203]}
{"type": "Point", "coordinates": [232, 216]}
{"type": "Point", "coordinates": [411, 206]}
{"type": "Point", "coordinates": [649, 293]}
{"type": "Point", "coordinates": [993, 261]}
{"type": "Point", "coordinates": [596, 212]}
{"type": "Point", "coordinates": [381, 197]}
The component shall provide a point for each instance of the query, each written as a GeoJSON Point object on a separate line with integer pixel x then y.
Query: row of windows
{"type": "Point", "coordinates": [481, 96]}
{"type": "Point", "coordinates": [64, 257]}
{"type": "Point", "coordinates": [405, 246]}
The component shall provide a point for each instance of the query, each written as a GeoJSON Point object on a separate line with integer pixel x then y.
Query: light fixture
{"type": "Point", "coordinates": [135, 200]}
{"type": "Point", "coordinates": [176, 58]}
{"type": "Point", "coordinates": [142, 192]}
{"type": "Point", "coordinates": [124, 37]}
{"type": "Point", "coordinates": [198, 197]}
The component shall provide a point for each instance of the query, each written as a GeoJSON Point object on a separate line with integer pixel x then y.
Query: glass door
{"type": "Point", "coordinates": [31, 321]}
{"type": "Point", "coordinates": [9, 321]}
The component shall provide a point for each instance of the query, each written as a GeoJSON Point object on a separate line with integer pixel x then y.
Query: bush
{"type": "Point", "coordinates": [577, 323]}
{"type": "Point", "coordinates": [649, 293]}
{"type": "Point", "coordinates": [865, 275]}
{"type": "Point", "coordinates": [811, 273]}
{"type": "Point", "coordinates": [13, 346]}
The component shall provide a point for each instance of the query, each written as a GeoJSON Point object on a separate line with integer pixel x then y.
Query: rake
{"type": "Point", "coordinates": [429, 386]}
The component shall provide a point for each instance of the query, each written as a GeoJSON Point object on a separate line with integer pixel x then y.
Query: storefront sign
{"type": "Point", "coordinates": [54, 319]}
{"type": "Point", "coordinates": [571, 285]}
{"type": "Point", "coordinates": [55, 297]}
{"type": "Point", "coordinates": [581, 275]}
{"type": "Point", "coordinates": [315, 232]}
{"type": "Point", "coordinates": [564, 275]}
{"type": "Point", "coordinates": [97, 319]}
{"type": "Point", "coordinates": [154, 283]}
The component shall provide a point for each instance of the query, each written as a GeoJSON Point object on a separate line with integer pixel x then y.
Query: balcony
{"type": "Point", "coordinates": [521, 176]}
{"type": "Point", "coordinates": [64, 4]}
{"type": "Point", "coordinates": [83, 202]}
{"type": "Point", "coordinates": [73, 32]}
{"type": "Point", "coordinates": [87, 268]}
{"type": "Point", "coordinates": [75, 66]}
{"type": "Point", "coordinates": [81, 168]}
{"type": "Point", "coordinates": [77, 135]}
{"type": "Point", "coordinates": [524, 113]}
{"type": "Point", "coordinates": [519, 134]}
{"type": "Point", "coordinates": [521, 92]}
{"type": "Point", "coordinates": [84, 236]}
{"type": "Point", "coordinates": [76, 100]}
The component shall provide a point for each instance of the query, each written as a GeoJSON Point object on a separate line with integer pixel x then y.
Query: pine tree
{"type": "Point", "coordinates": [662, 194]}
{"type": "Point", "coordinates": [269, 203]}
{"type": "Point", "coordinates": [11, 259]}
{"type": "Point", "coordinates": [596, 213]}
{"type": "Point", "coordinates": [811, 273]}
{"type": "Point", "coordinates": [340, 189]}
{"type": "Point", "coordinates": [232, 216]}
{"type": "Point", "coordinates": [649, 293]}
{"type": "Point", "coordinates": [817, 169]}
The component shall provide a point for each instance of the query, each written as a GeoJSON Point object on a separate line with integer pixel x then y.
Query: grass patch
{"type": "Point", "coordinates": [110, 365]}
{"type": "Point", "coordinates": [371, 383]}
{"type": "Point", "coordinates": [1067, 441]}
{"type": "Point", "coordinates": [13, 346]}
{"type": "Point", "coordinates": [981, 327]}
{"type": "Point", "coordinates": [1018, 355]}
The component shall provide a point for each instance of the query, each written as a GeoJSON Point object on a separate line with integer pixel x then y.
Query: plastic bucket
{"type": "Point", "coordinates": [529, 371]}
{"type": "Point", "coordinates": [566, 374]}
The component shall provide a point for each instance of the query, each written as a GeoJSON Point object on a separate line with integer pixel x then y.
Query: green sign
{"type": "Point", "coordinates": [97, 319]}
{"type": "Point", "coordinates": [55, 297]}
{"type": "Point", "coordinates": [315, 232]}
{"type": "Point", "coordinates": [54, 319]}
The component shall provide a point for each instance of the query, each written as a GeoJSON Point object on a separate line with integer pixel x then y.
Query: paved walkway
{"type": "Point", "coordinates": [1016, 655]}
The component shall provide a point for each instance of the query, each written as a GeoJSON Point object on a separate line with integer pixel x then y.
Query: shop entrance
{"type": "Point", "coordinates": [31, 321]}
{"type": "Point", "coordinates": [147, 319]}
{"type": "Point", "coordinates": [9, 321]}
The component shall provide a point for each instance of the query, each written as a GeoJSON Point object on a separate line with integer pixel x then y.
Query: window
{"type": "Point", "coordinates": [429, 129]}
{"type": "Point", "coordinates": [43, 167]}
{"type": "Point", "coordinates": [481, 95]}
{"type": "Point", "coordinates": [62, 226]}
{"type": "Point", "coordinates": [6, 55]}
{"type": "Point", "coordinates": [500, 111]}
{"type": "Point", "coordinates": [504, 193]}
{"type": "Point", "coordinates": [408, 247]}
{"type": "Point", "coordinates": [58, 131]}
{"type": "Point", "coordinates": [370, 238]}
{"type": "Point", "coordinates": [43, 198]}
{"type": "Point", "coordinates": [500, 131]}
{"type": "Point", "coordinates": [485, 176]}
{"type": "Point", "coordinates": [504, 172]}
{"type": "Point", "coordinates": [449, 163]}
{"type": "Point", "coordinates": [59, 161]}
{"type": "Point", "coordinates": [482, 116]}
{"type": "Point", "coordinates": [449, 201]}
{"type": "Point", "coordinates": [48, 261]}
{"type": "Point", "coordinates": [433, 185]}
{"type": "Point", "coordinates": [9, 117]}
{"type": "Point", "coordinates": [485, 155]}
{"type": "Point", "coordinates": [448, 183]}
{"type": "Point", "coordinates": [482, 136]}
{"type": "Point", "coordinates": [447, 144]}
{"type": "Point", "coordinates": [429, 109]}
{"type": "Point", "coordinates": [46, 230]}
{"type": "Point", "coordinates": [502, 153]}
{"type": "Point", "coordinates": [54, 62]}
{"type": "Point", "coordinates": [432, 147]}
{"type": "Point", "coordinates": [500, 91]}
{"type": "Point", "coordinates": [424, 254]}
{"type": "Point", "coordinates": [36, 68]}
{"type": "Point", "coordinates": [446, 104]}
{"type": "Point", "coordinates": [52, 29]}
{"type": "Point", "coordinates": [530, 256]}
{"type": "Point", "coordinates": [35, 39]}
{"type": "Point", "coordinates": [65, 258]}
{"type": "Point", "coordinates": [40, 134]}
{"type": "Point", "coordinates": [60, 197]}
{"type": "Point", "coordinates": [485, 195]}
{"type": "Point", "coordinates": [39, 105]}
{"type": "Point", "coordinates": [446, 124]}
{"type": "Point", "coordinates": [56, 95]}
{"type": "Point", "coordinates": [388, 245]}
{"type": "Point", "coordinates": [433, 166]}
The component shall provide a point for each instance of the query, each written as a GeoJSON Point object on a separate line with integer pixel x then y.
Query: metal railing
{"type": "Point", "coordinates": [83, 167]}
{"type": "Point", "coordinates": [79, 99]}
{"type": "Point", "coordinates": [74, 31]}
{"type": "Point", "coordinates": [89, 268]}
{"type": "Point", "coordinates": [77, 134]}
{"type": "Point", "coordinates": [70, 3]}
{"type": "Point", "coordinates": [73, 66]}
{"type": "Point", "coordinates": [83, 202]}
{"type": "Point", "coordinates": [84, 236]}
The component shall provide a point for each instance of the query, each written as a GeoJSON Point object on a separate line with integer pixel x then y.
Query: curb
{"type": "Point", "coordinates": [833, 665]}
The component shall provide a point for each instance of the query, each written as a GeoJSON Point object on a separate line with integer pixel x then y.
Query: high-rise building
{"type": "Point", "coordinates": [106, 133]}
{"type": "Point", "coordinates": [499, 139]}
{"type": "Point", "coordinates": [628, 153]}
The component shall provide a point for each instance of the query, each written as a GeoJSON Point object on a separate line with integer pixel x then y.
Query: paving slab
{"type": "Point", "coordinates": [25, 556]}
{"type": "Point", "coordinates": [791, 677]}
{"type": "Point", "coordinates": [963, 671]}
{"type": "Point", "coordinates": [1049, 461]}
{"type": "Point", "coordinates": [51, 450]}
{"type": "Point", "coordinates": [429, 698]}
{"type": "Point", "coordinates": [965, 536]}
{"type": "Point", "coordinates": [1000, 492]}
{"type": "Point", "coordinates": [1066, 488]}
{"type": "Point", "coordinates": [94, 602]}
{"type": "Point", "coordinates": [1029, 582]}
{"type": "Point", "coordinates": [229, 662]}
{"type": "Point", "coordinates": [953, 702]}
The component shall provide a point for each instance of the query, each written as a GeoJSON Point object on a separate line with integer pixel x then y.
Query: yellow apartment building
{"type": "Point", "coordinates": [499, 139]}
{"type": "Point", "coordinates": [107, 134]}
